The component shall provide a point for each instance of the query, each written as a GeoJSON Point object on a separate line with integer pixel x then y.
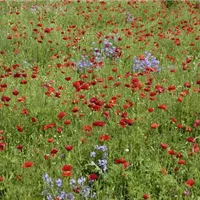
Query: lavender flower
{"type": "Point", "coordinates": [85, 191]}
{"type": "Point", "coordinates": [187, 192]}
{"type": "Point", "coordinates": [147, 63]}
{"type": "Point", "coordinates": [72, 182]}
{"type": "Point", "coordinates": [49, 197]}
{"type": "Point", "coordinates": [129, 17]}
{"type": "Point", "coordinates": [109, 50]}
{"type": "Point", "coordinates": [93, 154]}
{"type": "Point", "coordinates": [61, 195]}
{"type": "Point", "coordinates": [51, 193]}
{"type": "Point", "coordinates": [59, 183]}
{"type": "Point", "coordinates": [84, 62]}
{"type": "Point", "coordinates": [70, 196]}
{"type": "Point", "coordinates": [93, 195]}
{"type": "Point", "coordinates": [47, 179]}
{"type": "Point", "coordinates": [101, 148]}
{"type": "Point", "coordinates": [81, 181]}
{"type": "Point", "coordinates": [103, 164]}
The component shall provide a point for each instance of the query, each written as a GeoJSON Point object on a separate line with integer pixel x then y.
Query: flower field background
{"type": "Point", "coordinates": [99, 100]}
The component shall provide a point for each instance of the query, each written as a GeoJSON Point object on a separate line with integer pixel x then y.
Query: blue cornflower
{"type": "Point", "coordinates": [50, 197]}
{"type": "Point", "coordinates": [84, 62]}
{"type": "Point", "coordinates": [85, 191]}
{"type": "Point", "coordinates": [69, 196]}
{"type": "Point", "coordinates": [47, 179]}
{"type": "Point", "coordinates": [129, 17]}
{"type": "Point", "coordinates": [81, 181]}
{"type": "Point", "coordinates": [59, 182]}
{"type": "Point", "coordinates": [148, 63]}
{"type": "Point", "coordinates": [93, 154]}
{"type": "Point", "coordinates": [102, 164]}
{"type": "Point", "coordinates": [101, 148]}
{"type": "Point", "coordinates": [72, 182]}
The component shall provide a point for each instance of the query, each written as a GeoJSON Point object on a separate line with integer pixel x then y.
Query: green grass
{"type": "Point", "coordinates": [138, 143]}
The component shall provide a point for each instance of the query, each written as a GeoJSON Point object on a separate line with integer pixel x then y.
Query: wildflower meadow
{"type": "Point", "coordinates": [99, 100]}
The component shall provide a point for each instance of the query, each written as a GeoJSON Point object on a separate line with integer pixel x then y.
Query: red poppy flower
{"type": "Point", "coordinates": [145, 196]}
{"type": "Point", "coordinates": [179, 155]}
{"type": "Point", "coordinates": [171, 152]}
{"type": "Point", "coordinates": [180, 126]}
{"type": "Point", "coordinates": [59, 129]}
{"type": "Point", "coordinates": [33, 119]}
{"type": "Point", "coordinates": [66, 168]}
{"type": "Point", "coordinates": [67, 173]}
{"type": "Point", "coordinates": [187, 85]}
{"type": "Point", "coordinates": [19, 128]}
{"type": "Point", "coordinates": [181, 162]}
{"type": "Point", "coordinates": [164, 145]}
{"type": "Point", "coordinates": [197, 123]}
{"type": "Point", "coordinates": [190, 182]}
{"type": "Point", "coordinates": [68, 78]}
{"type": "Point", "coordinates": [28, 164]}
{"type": "Point", "coordinates": [46, 157]}
{"type": "Point", "coordinates": [103, 138]}
{"type": "Point", "coordinates": [75, 109]}
{"type": "Point", "coordinates": [191, 139]}
{"type": "Point", "coordinates": [155, 125]}
{"type": "Point", "coordinates": [47, 30]}
{"type": "Point", "coordinates": [120, 161]}
{"type": "Point", "coordinates": [21, 99]}
{"type": "Point", "coordinates": [50, 140]}
{"type": "Point", "coordinates": [84, 86]}
{"type": "Point", "coordinates": [92, 177]}
{"type": "Point", "coordinates": [5, 98]}
{"type": "Point", "coordinates": [48, 126]}
{"type": "Point", "coordinates": [141, 57]}
{"type": "Point", "coordinates": [20, 147]}
{"type": "Point", "coordinates": [1, 178]}
{"type": "Point", "coordinates": [77, 189]}
{"type": "Point", "coordinates": [54, 151]}
{"type": "Point", "coordinates": [126, 165]}
{"type": "Point", "coordinates": [150, 110]}
{"type": "Point", "coordinates": [69, 147]}
{"type": "Point", "coordinates": [171, 88]}
{"type": "Point", "coordinates": [15, 92]}
{"type": "Point", "coordinates": [67, 122]}
{"type": "Point", "coordinates": [87, 128]}
{"type": "Point", "coordinates": [98, 123]}
{"type": "Point", "coordinates": [61, 115]}
{"type": "Point", "coordinates": [163, 106]}
{"type": "Point", "coordinates": [179, 99]}
{"type": "Point", "coordinates": [195, 148]}
{"type": "Point", "coordinates": [173, 120]}
{"type": "Point", "coordinates": [2, 146]}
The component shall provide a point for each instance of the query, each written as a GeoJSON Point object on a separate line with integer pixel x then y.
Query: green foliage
{"type": "Point", "coordinates": [169, 3]}
{"type": "Point", "coordinates": [145, 168]}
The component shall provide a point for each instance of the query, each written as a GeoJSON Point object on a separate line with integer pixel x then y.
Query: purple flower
{"type": "Point", "coordinates": [129, 17]}
{"type": "Point", "coordinates": [149, 63]}
{"type": "Point", "coordinates": [187, 192]}
{"type": "Point", "coordinates": [101, 148]}
{"type": "Point", "coordinates": [59, 182]}
{"type": "Point", "coordinates": [81, 180]}
{"type": "Point", "coordinates": [92, 154]}
{"type": "Point", "coordinates": [84, 62]}
{"type": "Point", "coordinates": [85, 191]}
{"type": "Point", "coordinates": [72, 182]}
{"type": "Point", "coordinates": [102, 164]}
{"type": "Point", "coordinates": [47, 179]}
